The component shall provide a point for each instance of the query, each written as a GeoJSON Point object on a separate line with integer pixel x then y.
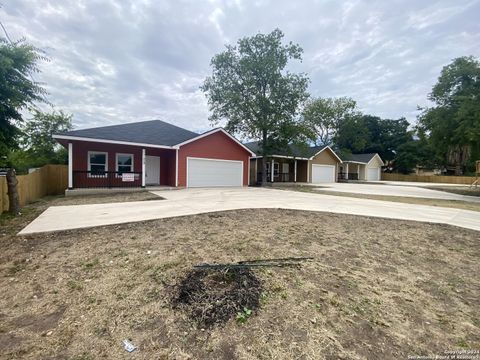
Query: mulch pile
{"type": "Point", "coordinates": [213, 297]}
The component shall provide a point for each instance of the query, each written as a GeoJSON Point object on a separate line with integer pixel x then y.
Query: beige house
{"type": "Point", "coordinates": [312, 165]}
{"type": "Point", "coordinates": [365, 167]}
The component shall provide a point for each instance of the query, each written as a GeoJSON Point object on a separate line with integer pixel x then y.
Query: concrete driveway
{"type": "Point", "coordinates": [196, 201]}
{"type": "Point", "coordinates": [396, 190]}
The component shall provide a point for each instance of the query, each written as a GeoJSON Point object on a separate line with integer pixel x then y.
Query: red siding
{"type": "Point", "coordinates": [215, 146]}
{"type": "Point", "coordinates": [167, 158]}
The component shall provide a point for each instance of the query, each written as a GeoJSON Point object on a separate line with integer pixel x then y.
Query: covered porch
{"type": "Point", "coordinates": [279, 169]}
{"type": "Point", "coordinates": [93, 165]}
{"type": "Point", "coordinates": [351, 171]}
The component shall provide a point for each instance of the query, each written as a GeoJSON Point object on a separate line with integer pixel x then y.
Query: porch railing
{"type": "Point", "coordinates": [278, 177]}
{"type": "Point", "coordinates": [106, 179]}
{"type": "Point", "coordinates": [351, 176]}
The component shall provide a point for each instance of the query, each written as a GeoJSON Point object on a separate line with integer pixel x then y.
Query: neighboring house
{"type": "Point", "coordinates": [154, 153]}
{"type": "Point", "coordinates": [366, 167]}
{"type": "Point", "coordinates": [318, 164]}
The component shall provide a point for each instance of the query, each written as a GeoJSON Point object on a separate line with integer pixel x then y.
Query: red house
{"type": "Point", "coordinates": [154, 153]}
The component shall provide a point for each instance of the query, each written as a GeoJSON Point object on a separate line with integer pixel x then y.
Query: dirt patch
{"type": "Point", "coordinates": [41, 322]}
{"type": "Point", "coordinates": [377, 289]}
{"type": "Point", "coordinates": [212, 297]}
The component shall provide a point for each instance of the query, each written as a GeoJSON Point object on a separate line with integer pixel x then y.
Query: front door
{"type": "Point", "coordinates": [285, 172]}
{"type": "Point", "coordinates": [152, 170]}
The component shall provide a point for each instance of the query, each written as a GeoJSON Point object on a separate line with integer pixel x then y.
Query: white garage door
{"type": "Point", "coordinates": [373, 174]}
{"type": "Point", "coordinates": [209, 172]}
{"type": "Point", "coordinates": [323, 174]}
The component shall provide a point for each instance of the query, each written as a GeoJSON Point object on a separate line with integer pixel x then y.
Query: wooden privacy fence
{"type": "Point", "coordinates": [465, 180]}
{"type": "Point", "coordinates": [48, 180]}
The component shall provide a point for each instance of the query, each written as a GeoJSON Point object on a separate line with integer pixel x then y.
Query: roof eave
{"type": "Point", "coordinates": [329, 148]}
{"type": "Point", "coordinates": [108, 141]}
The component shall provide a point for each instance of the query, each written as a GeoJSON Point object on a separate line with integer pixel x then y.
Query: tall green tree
{"type": "Point", "coordinates": [252, 91]}
{"type": "Point", "coordinates": [371, 134]}
{"type": "Point", "coordinates": [324, 116]}
{"type": "Point", "coordinates": [37, 146]}
{"type": "Point", "coordinates": [352, 135]}
{"type": "Point", "coordinates": [453, 123]}
{"type": "Point", "coordinates": [18, 90]}
{"type": "Point", "coordinates": [414, 152]}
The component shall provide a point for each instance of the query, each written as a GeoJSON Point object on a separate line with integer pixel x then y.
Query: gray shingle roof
{"type": "Point", "coordinates": [362, 158]}
{"type": "Point", "coordinates": [290, 151]}
{"type": "Point", "coordinates": [155, 132]}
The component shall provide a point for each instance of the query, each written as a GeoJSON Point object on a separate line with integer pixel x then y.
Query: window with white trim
{"type": "Point", "coordinates": [124, 163]}
{"type": "Point", "coordinates": [97, 162]}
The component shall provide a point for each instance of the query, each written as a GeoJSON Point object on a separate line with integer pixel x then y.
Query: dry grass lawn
{"type": "Point", "coordinates": [377, 289]}
{"type": "Point", "coordinates": [462, 190]}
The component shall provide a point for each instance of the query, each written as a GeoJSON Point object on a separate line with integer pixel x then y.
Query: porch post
{"type": "Point", "coordinates": [271, 169]}
{"type": "Point", "coordinates": [358, 171]}
{"type": "Point", "coordinates": [176, 167]}
{"type": "Point", "coordinates": [143, 168]}
{"type": "Point", "coordinates": [308, 171]}
{"type": "Point", "coordinates": [70, 165]}
{"type": "Point", "coordinates": [346, 175]}
{"type": "Point", "coordinates": [295, 171]}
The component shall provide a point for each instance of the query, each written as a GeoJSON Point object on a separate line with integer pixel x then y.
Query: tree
{"type": "Point", "coordinates": [371, 134]}
{"type": "Point", "coordinates": [325, 115]}
{"type": "Point", "coordinates": [453, 124]}
{"type": "Point", "coordinates": [18, 61]}
{"type": "Point", "coordinates": [18, 91]}
{"type": "Point", "coordinates": [353, 135]}
{"type": "Point", "coordinates": [37, 144]}
{"type": "Point", "coordinates": [250, 89]}
{"type": "Point", "coordinates": [412, 153]}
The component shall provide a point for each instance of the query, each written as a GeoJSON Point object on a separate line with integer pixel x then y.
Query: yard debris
{"type": "Point", "coordinates": [214, 293]}
{"type": "Point", "coordinates": [213, 297]}
{"type": "Point", "coordinates": [279, 262]}
{"type": "Point", "coordinates": [127, 345]}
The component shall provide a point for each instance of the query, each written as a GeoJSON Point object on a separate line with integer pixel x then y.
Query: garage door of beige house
{"type": "Point", "coordinates": [323, 174]}
{"type": "Point", "coordinates": [373, 174]}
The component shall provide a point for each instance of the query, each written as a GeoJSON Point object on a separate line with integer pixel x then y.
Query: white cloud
{"type": "Point", "coordinates": [122, 61]}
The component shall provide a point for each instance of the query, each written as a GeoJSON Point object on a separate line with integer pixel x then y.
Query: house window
{"type": "Point", "coordinates": [267, 166]}
{"type": "Point", "coordinates": [97, 162]}
{"type": "Point", "coordinates": [124, 163]}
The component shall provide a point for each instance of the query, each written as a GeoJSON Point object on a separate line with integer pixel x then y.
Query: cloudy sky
{"type": "Point", "coordinates": [114, 61]}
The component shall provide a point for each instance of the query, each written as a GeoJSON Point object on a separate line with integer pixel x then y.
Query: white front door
{"type": "Point", "coordinates": [152, 170]}
{"type": "Point", "coordinates": [323, 174]}
{"type": "Point", "coordinates": [212, 172]}
{"type": "Point", "coordinates": [285, 172]}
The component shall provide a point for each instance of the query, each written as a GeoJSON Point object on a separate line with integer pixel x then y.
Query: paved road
{"type": "Point", "coordinates": [196, 201]}
{"type": "Point", "coordinates": [396, 190]}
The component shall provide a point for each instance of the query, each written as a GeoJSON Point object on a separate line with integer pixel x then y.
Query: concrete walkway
{"type": "Point", "coordinates": [396, 190]}
{"type": "Point", "coordinates": [196, 201]}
